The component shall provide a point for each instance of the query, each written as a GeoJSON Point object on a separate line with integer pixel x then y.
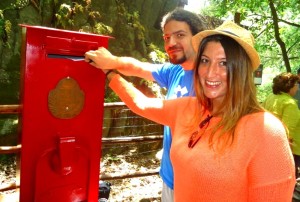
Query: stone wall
{"type": "Point", "coordinates": [133, 23]}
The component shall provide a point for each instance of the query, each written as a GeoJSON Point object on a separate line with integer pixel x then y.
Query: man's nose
{"type": "Point", "coordinates": [172, 40]}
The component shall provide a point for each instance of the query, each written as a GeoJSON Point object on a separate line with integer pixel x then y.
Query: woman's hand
{"type": "Point", "coordinates": [101, 58]}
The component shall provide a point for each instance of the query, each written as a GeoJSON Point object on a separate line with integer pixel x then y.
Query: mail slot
{"type": "Point", "coordinates": [62, 98]}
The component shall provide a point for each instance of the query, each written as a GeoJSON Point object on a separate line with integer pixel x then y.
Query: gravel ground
{"type": "Point", "coordinates": [142, 189]}
{"type": "Point", "coordinates": [8, 176]}
{"type": "Point", "coordinates": [135, 189]}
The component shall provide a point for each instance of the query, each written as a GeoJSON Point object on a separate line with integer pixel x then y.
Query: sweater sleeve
{"type": "Point", "coordinates": [271, 168]}
{"type": "Point", "coordinates": [150, 108]}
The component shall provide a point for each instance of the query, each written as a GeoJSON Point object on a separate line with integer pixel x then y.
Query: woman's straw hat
{"type": "Point", "coordinates": [239, 34]}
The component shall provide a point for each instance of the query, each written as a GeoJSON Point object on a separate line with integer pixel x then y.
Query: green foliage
{"type": "Point", "coordinates": [6, 159]}
{"type": "Point", "coordinates": [80, 16]}
{"type": "Point", "coordinates": [5, 29]}
{"type": "Point", "coordinates": [258, 17]}
{"type": "Point", "coordinates": [133, 29]}
{"type": "Point", "coordinates": [21, 4]}
{"type": "Point", "coordinates": [8, 126]}
{"type": "Point", "coordinates": [263, 91]}
{"type": "Point", "coordinates": [131, 22]}
{"type": "Point", "coordinates": [101, 28]}
{"type": "Point", "coordinates": [111, 158]}
{"type": "Point", "coordinates": [6, 25]}
{"type": "Point", "coordinates": [134, 19]}
{"type": "Point", "coordinates": [156, 55]}
{"type": "Point", "coordinates": [110, 96]}
{"type": "Point", "coordinates": [4, 77]}
{"type": "Point", "coordinates": [64, 16]}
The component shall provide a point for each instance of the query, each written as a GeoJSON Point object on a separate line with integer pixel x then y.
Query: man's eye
{"type": "Point", "coordinates": [180, 35]}
{"type": "Point", "coordinates": [166, 38]}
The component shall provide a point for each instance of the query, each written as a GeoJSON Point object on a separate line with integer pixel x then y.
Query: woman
{"type": "Point", "coordinates": [282, 104]}
{"type": "Point", "coordinates": [225, 147]}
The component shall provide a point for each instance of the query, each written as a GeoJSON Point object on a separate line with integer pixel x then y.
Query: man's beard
{"type": "Point", "coordinates": [175, 60]}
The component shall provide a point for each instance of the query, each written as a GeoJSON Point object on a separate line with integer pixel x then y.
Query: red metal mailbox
{"type": "Point", "coordinates": [62, 98]}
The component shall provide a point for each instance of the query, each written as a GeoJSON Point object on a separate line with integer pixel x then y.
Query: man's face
{"type": "Point", "coordinates": [178, 42]}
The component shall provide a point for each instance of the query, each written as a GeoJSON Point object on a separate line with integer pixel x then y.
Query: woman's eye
{"type": "Point", "coordinates": [223, 63]}
{"type": "Point", "coordinates": [203, 60]}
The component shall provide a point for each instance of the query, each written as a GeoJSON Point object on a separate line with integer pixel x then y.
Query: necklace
{"type": "Point", "coordinates": [195, 137]}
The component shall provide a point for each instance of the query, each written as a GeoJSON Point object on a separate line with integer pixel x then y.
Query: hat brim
{"type": "Point", "coordinates": [252, 53]}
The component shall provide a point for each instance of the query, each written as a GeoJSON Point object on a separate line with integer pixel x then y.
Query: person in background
{"type": "Point", "coordinates": [297, 96]}
{"type": "Point", "coordinates": [282, 104]}
{"type": "Point", "coordinates": [225, 146]}
{"type": "Point", "coordinates": [178, 27]}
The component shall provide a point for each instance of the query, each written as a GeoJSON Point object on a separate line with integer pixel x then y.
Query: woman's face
{"type": "Point", "coordinates": [212, 71]}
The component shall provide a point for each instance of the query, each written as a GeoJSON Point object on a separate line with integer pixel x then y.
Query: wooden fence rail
{"type": "Point", "coordinates": [17, 109]}
{"type": "Point", "coordinates": [10, 109]}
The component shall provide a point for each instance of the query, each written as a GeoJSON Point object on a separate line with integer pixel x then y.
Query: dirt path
{"type": "Point", "coordinates": [144, 189]}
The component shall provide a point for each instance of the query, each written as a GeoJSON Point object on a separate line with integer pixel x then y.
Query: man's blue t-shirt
{"type": "Point", "coordinates": [179, 83]}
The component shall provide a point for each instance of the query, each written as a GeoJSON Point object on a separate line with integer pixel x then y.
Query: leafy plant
{"type": "Point", "coordinates": [156, 55]}
{"type": "Point", "coordinates": [64, 16]}
{"type": "Point", "coordinates": [275, 27]}
{"type": "Point", "coordinates": [5, 29]}
{"type": "Point", "coordinates": [101, 28]}
{"type": "Point", "coordinates": [264, 19]}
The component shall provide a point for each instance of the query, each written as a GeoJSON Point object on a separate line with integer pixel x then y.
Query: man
{"type": "Point", "coordinates": [297, 96]}
{"type": "Point", "coordinates": [178, 28]}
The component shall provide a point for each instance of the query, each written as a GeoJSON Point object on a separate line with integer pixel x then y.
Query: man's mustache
{"type": "Point", "coordinates": [174, 48]}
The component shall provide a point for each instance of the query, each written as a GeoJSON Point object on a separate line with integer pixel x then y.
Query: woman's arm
{"type": "Point", "coordinates": [271, 169]}
{"type": "Point", "coordinates": [103, 59]}
{"type": "Point", "coordinates": [150, 108]}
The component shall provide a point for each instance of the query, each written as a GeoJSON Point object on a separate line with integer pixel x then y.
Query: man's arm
{"type": "Point", "coordinates": [103, 59]}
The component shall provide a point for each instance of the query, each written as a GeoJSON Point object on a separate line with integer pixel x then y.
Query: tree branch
{"type": "Point", "coordinates": [277, 36]}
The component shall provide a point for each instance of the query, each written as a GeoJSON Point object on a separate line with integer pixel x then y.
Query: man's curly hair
{"type": "Point", "coordinates": [179, 14]}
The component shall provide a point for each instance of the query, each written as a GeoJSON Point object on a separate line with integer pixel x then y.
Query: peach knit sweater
{"type": "Point", "coordinates": [258, 166]}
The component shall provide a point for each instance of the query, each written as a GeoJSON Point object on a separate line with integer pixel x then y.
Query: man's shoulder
{"type": "Point", "coordinates": [171, 66]}
{"type": "Point", "coordinates": [167, 69]}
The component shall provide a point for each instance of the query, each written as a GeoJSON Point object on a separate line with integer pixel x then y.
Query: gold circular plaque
{"type": "Point", "coordinates": [66, 100]}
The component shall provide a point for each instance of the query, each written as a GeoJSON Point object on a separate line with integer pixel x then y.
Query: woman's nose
{"type": "Point", "coordinates": [212, 70]}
